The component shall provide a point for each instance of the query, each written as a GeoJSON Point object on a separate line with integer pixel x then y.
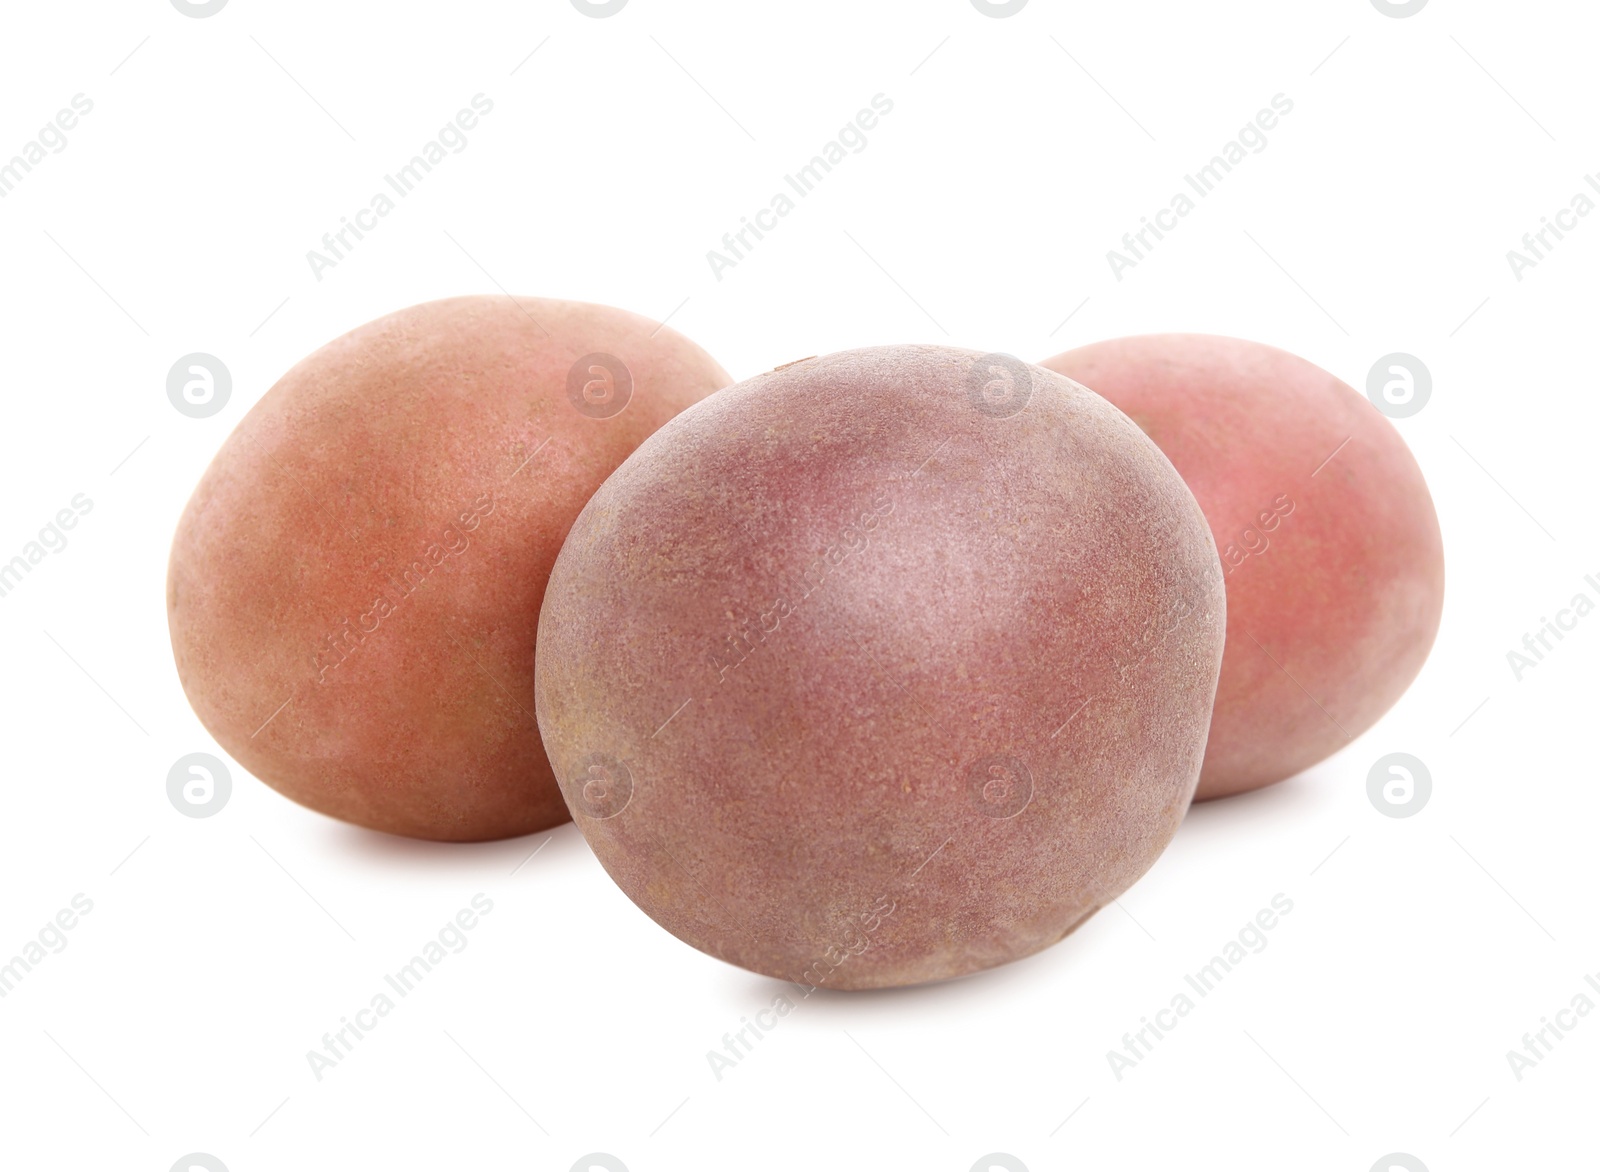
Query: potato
{"type": "Point", "coordinates": [355, 585]}
{"type": "Point", "coordinates": [1334, 564]}
{"type": "Point", "coordinates": [883, 667]}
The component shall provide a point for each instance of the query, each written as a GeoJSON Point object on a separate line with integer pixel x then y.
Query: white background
{"type": "Point", "coordinates": [219, 950]}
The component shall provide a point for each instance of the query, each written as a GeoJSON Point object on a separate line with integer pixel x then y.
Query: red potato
{"type": "Point", "coordinates": [355, 585]}
{"type": "Point", "coordinates": [1333, 558]}
{"type": "Point", "coordinates": [883, 667]}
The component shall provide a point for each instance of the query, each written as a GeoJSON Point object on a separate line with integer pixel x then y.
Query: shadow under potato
{"type": "Point", "coordinates": [378, 847]}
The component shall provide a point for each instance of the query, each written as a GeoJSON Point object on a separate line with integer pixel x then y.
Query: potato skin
{"type": "Point", "coordinates": [354, 587]}
{"type": "Point", "coordinates": [854, 676]}
{"type": "Point", "coordinates": [1342, 586]}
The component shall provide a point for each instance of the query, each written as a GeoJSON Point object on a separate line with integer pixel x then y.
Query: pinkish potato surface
{"type": "Point", "coordinates": [355, 585]}
{"type": "Point", "coordinates": [1334, 567]}
{"type": "Point", "coordinates": [883, 667]}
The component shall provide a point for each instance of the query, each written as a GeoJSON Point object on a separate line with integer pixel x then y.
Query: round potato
{"type": "Point", "coordinates": [1330, 544]}
{"type": "Point", "coordinates": [883, 667]}
{"type": "Point", "coordinates": [354, 587]}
